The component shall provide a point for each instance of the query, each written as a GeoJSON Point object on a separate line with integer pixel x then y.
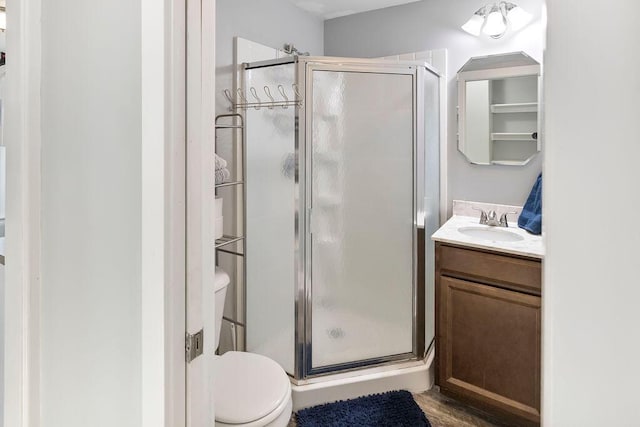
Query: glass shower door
{"type": "Point", "coordinates": [362, 217]}
{"type": "Point", "coordinates": [271, 189]}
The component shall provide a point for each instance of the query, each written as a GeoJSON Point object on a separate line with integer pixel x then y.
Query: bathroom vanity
{"type": "Point", "coordinates": [488, 318]}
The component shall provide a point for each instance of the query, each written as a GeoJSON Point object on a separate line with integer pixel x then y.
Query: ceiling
{"type": "Point", "coordinates": [329, 9]}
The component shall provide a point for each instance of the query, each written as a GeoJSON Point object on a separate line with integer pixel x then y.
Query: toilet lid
{"type": "Point", "coordinates": [221, 279]}
{"type": "Point", "coordinates": [247, 387]}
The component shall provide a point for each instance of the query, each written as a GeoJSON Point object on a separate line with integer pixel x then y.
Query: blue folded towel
{"type": "Point", "coordinates": [531, 216]}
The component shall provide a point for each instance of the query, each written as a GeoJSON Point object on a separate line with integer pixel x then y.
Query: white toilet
{"type": "Point", "coordinates": [250, 390]}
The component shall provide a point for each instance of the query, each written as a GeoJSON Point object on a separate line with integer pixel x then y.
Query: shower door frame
{"type": "Point", "coordinates": [304, 68]}
{"type": "Point", "coordinates": [304, 138]}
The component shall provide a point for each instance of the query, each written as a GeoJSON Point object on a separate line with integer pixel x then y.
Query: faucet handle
{"type": "Point", "coordinates": [503, 218]}
{"type": "Point", "coordinates": [483, 215]}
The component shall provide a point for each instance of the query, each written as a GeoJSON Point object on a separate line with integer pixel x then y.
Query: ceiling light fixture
{"type": "Point", "coordinates": [495, 19]}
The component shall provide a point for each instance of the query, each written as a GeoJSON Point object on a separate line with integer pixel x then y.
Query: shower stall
{"type": "Point", "coordinates": [341, 171]}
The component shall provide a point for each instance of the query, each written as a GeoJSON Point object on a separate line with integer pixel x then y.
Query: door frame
{"type": "Point", "coordinates": [22, 290]}
{"type": "Point", "coordinates": [164, 190]}
{"type": "Point", "coordinates": [200, 194]}
{"type": "Point", "coordinates": [304, 364]}
{"type": "Point", "coordinates": [163, 227]}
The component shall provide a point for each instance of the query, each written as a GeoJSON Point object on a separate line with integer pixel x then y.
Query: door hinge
{"type": "Point", "coordinates": [193, 345]}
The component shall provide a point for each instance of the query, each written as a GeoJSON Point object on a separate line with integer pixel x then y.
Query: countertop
{"type": "Point", "coordinates": [531, 245]}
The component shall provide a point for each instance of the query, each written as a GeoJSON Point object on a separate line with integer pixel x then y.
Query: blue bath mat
{"type": "Point", "coordinates": [395, 408]}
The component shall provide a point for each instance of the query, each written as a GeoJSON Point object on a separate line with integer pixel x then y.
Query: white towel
{"type": "Point", "coordinates": [222, 175]}
{"type": "Point", "coordinates": [220, 163]}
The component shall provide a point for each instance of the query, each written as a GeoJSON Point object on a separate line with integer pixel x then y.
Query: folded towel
{"type": "Point", "coordinates": [222, 175]}
{"type": "Point", "coordinates": [220, 163]}
{"type": "Point", "coordinates": [531, 217]}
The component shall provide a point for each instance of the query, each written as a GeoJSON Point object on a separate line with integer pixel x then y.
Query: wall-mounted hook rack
{"type": "Point", "coordinates": [241, 101]}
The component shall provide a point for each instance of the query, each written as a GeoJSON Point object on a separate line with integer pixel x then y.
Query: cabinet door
{"type": "Point", "coordinates": [489, 343]}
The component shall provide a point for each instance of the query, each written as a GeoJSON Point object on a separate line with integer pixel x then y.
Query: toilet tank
{"type": "Point", "coordinates": [221, 283]}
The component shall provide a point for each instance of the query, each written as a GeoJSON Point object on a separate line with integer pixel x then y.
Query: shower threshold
{"type": "Point", "coordinates": [414, 376]}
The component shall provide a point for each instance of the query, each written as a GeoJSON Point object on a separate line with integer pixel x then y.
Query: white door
{"type": "Point", "coordinates": [199, 203]}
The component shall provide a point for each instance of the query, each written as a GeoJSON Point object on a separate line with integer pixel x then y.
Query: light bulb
{"type": "Point", "coordinates": [495, 24]}
{"type": "Point", "coordinates": [474, 25]}
{"type": "Point", "coordinates": [518, 18]}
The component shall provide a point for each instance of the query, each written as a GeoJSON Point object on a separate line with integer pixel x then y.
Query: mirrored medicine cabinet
{"type": "Point", "coordinates": [498, 109]}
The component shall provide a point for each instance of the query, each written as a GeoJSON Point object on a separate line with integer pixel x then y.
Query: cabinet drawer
{"type": "Point", "coordinates": [493, 269]}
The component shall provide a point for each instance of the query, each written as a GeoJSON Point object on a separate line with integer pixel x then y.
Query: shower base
{"type": "Point", "coordinates": [416, 377]}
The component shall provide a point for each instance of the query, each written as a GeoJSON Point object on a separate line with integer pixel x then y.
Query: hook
{"type": "Point", "coordinates": [254, 93]}
{"type": "Point", "coordinates": [284, 96]}
{"type": "Point", "coordinates": [227, 94]}
{"type": "Point", "coordinates": [297, 93]}
{"type": "Point", "coordinates": [268, 92]}
{"type": "Point", "coordinates": [243, 98]}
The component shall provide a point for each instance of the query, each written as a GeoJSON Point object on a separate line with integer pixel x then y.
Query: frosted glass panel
{"type": "Point", "coordinates": [271, 223]}
{"type": "Point", "coordinates": [363, 216]}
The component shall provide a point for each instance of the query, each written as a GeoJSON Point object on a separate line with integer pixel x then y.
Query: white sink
{"type": "Point", "coordinates": [491, 234]}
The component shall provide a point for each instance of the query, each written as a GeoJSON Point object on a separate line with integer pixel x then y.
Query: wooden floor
{"type": "Point", "coordinates": [443, 411]}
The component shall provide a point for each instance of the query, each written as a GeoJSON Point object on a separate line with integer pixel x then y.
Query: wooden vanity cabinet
{"type": "Point", "coordinates": [488, 319]}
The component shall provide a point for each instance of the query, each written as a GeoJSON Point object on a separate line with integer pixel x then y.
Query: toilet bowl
{"type": "Point", "coordinates": [250, 390]}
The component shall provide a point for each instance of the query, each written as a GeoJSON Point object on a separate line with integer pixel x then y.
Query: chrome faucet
{"type": "Point", "coordinates": [491, 218]}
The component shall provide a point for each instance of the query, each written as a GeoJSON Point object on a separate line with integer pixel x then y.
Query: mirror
{"type": "Point", "coordinates": [498, 109]}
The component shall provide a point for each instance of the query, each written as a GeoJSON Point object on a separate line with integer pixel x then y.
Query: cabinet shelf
{"type": "Point", "coordinates": [227, 240]}
{"type": "Point", "coordinates": [235, 242]}
{"type": "Point", "coordinates": [229, 184]}
{"type": "Point", "coordinates": [507, 162]}
{"type": "Point", "coordinates": [229, 126]}
{"type": "Point", "coordinates": [522, 107]}
{"type": "Point", "coordinates": [513, 136]}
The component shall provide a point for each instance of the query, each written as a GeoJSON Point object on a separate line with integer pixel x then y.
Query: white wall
{"type": "Point", "coordinates": [3, 105]}
{"type": "Point", "coordinates": [3, 48]}
{"type": "Point", "coordinates": [3, 184]}
{"type": "Point", "coordinates": [591, 289]}
{"type": "Point", "coordinates": [272, 23]}
{"type": "Point", "coordinates": [91, 210]}
{"type": "Point", "coordinates": [478, 120]}
{"type": "Point", "coordinates": [435, 24]}
{"type": "Point", "coordinates": [2, 343]}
